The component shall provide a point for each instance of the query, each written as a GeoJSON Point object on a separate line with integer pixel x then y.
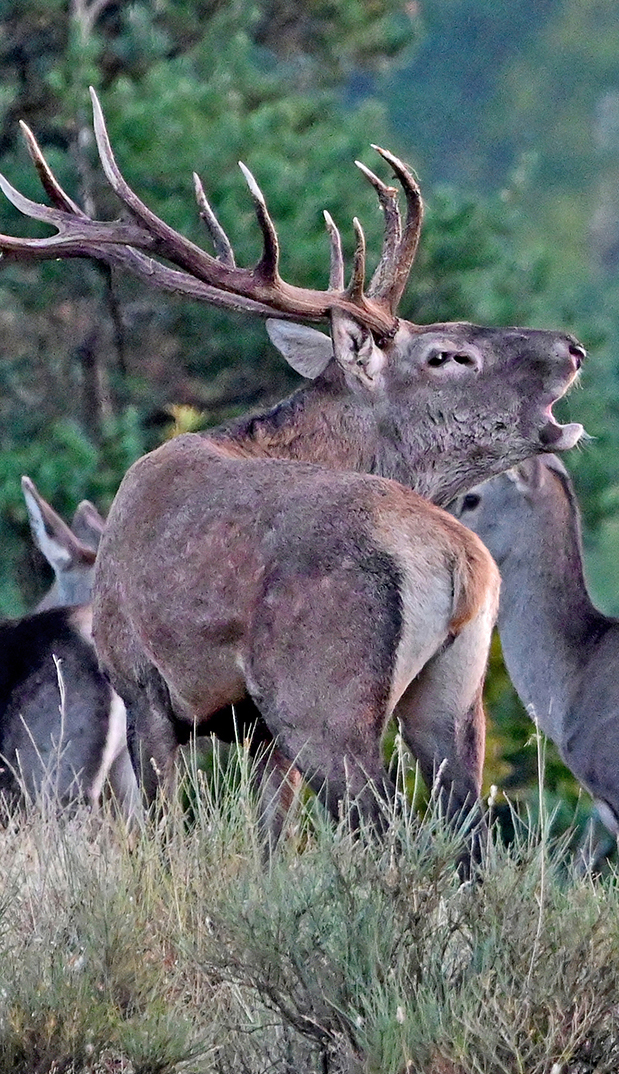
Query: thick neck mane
{"type": "Point", "coordinates": [320, 423]}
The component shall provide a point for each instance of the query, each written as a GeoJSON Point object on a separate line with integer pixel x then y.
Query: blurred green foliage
{"type": "Point", "coordinates": [509, 112]}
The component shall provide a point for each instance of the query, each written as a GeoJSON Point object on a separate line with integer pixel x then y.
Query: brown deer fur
{"type": "Point", "coordinates": [333, 598]}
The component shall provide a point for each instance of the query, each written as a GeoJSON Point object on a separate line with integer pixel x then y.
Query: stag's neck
{"type": "Point", "coordinates": [320, 423]}
{"type": "Point", "coordinates": [327, 424]}
{"type": "Point", "coordinates": [547, 623]}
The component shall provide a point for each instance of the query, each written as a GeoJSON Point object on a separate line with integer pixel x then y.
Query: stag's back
{"type": "Point", "coordinates": [226, 542]}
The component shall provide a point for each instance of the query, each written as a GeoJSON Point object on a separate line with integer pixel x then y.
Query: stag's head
{"type": "Point", "coordinates": [454, 402]}
{"type": "Point", "coordinates": [478, 397]}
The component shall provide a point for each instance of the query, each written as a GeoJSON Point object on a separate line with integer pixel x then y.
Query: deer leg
{"type": "Point", "coordinates": [276, 781]}
{"type": "Point", "coordinates": [123, 786]}
{"type": "Point", "coordinates": [442, 719]}
{"type": "Point", "coordinates": [338, 767]}
{"type": "Point", "coordinates": [278, 784]}
{"type": "Point", "coordinates": [152, 735]}
{"type": "Point", "coordinates": [334, 745]}
{"type": "Point", "coordinates": [320, 664]}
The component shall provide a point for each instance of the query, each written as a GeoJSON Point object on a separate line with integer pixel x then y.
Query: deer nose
{"type": "Point", "coordinates": [577, 351]}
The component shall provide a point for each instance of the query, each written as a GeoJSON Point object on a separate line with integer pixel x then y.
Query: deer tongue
{"type": "Point", "coordinates": [557, 437]}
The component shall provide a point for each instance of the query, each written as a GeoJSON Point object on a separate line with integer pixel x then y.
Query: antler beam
{"type": "Point", "coordinates": [138, 242]}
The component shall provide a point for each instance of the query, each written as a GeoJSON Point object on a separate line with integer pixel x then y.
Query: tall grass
{"type": "Point", "coordinates": [140, 954]}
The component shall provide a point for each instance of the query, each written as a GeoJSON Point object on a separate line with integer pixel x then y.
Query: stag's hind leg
{"type": "Point", "coordinates": [334, 744]}
{"type": "Point", "coordinates": [442, 719]}
{"type": "Point", "coordinates": [320, 668]}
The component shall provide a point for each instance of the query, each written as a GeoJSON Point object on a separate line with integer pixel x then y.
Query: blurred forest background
{"type": "Point", "coordinates": [509, 114]}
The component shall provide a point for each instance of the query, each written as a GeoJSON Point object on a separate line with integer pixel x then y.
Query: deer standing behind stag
{"type": "Point", "coordinates": [62, 728]}
{"type": "Point", "coordinates": [297, 564]}
{"type": "Point", "coordinates": [561, 652]}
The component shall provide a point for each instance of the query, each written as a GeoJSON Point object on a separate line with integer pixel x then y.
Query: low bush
{"type": "Point", "coordinates": [184, 950]}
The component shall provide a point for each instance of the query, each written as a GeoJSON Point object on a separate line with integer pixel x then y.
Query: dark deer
{"type": "Point", "coordinates": [560, 651]}
{"type": "Point", "coordinates": [283, 561]}
{"type": "Point", "coordinates": [62, 727]}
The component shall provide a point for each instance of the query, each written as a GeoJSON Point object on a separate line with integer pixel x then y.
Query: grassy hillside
{"type": "Point", "coordinates": [183, 951]}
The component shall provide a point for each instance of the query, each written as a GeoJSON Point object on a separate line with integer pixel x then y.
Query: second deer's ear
{"type": "Point", "coordinates": [355, 349]}
{"type": "Point", "coordinates": [528, 476]}
{"type": "Point", "coordinates": [61, 548]}
{"type": "Point", "coordinates": [88, 525]}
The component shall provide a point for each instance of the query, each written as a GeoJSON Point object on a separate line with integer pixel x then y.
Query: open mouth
{"type": "Point", "coordinates": [553, 435]}
{"type": "Point", "coordinates": [556, 437]}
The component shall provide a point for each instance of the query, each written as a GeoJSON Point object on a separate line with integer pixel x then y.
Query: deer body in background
{"type": "Point", "coordinates": [62, 727]}
{"type": "Point", "coordinates": [285, 558]}
{"type": "Point", "coordinates": [562, 654]}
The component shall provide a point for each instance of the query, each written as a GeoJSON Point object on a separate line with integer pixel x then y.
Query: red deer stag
{"type": "Point", "coordinates": [562, 654]}
{"type": "Point", "coordinates": [283, 560]}
{"type": "Point", "coordinates": [66, 749]}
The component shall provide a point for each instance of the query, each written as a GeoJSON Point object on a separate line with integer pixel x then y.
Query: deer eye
{"type": "Point", "coordinates": [442, 357]}
{"type": "Point", "coordinates": [471, 501]}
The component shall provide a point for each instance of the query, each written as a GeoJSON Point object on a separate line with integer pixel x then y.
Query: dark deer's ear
{"type": "Point", "coordinates": [61, 548]}
{"type": "Point", "coordinates": [355, 349]}
{"type": "Point", "coordinates": [305, 349]}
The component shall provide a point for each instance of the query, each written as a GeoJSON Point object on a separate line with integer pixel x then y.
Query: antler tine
{"type": "Point", "coordinates": [174, 246]}
{"type": "Point", "coordinates": [268, 265]}
{"type": "Point", "coordinates": [50, 184]}
{"type": "Point", "coordinates": [388, 198]}
{"type": "Point", "coordinates": [158, 235]}
{"type": "Point", "coordinates": [83, 237]}
{"type": "Point", "coordinates": [76, 231]}
{"type": "Point", "coordinates": [77, 236]}
{"type": "Point", "coordinates": [219, 238]}
{"type": "Point", "coordinates": [138, 242]}
{"type": "Point", "coordinates": [336, 272]}
{"type": "Point", "coordinates": [395, 278]}
{"type": "Point", "coordinates": [30, 208]}
{"type": "Point", "coordinates": [357, 279]}
{"type": "Point", "coordinates": [261, 284]}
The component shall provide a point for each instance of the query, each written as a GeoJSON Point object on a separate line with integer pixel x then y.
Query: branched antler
{"type": "Point", "coordinates": [138, 242]}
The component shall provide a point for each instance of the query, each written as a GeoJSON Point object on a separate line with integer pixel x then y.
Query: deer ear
{"type": "Point", "coordinates": [355, 348]}
{"type": "Point", "coordinates": [305, 349]}
{"type": "Point", "coordinates": [61, 548]}
{"type": "Point", "coordinates": [553, 462]}
{"type": "Point", "coordinates": [88, 525]}
{"type": "Point", "coordinates": [529, 475]}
